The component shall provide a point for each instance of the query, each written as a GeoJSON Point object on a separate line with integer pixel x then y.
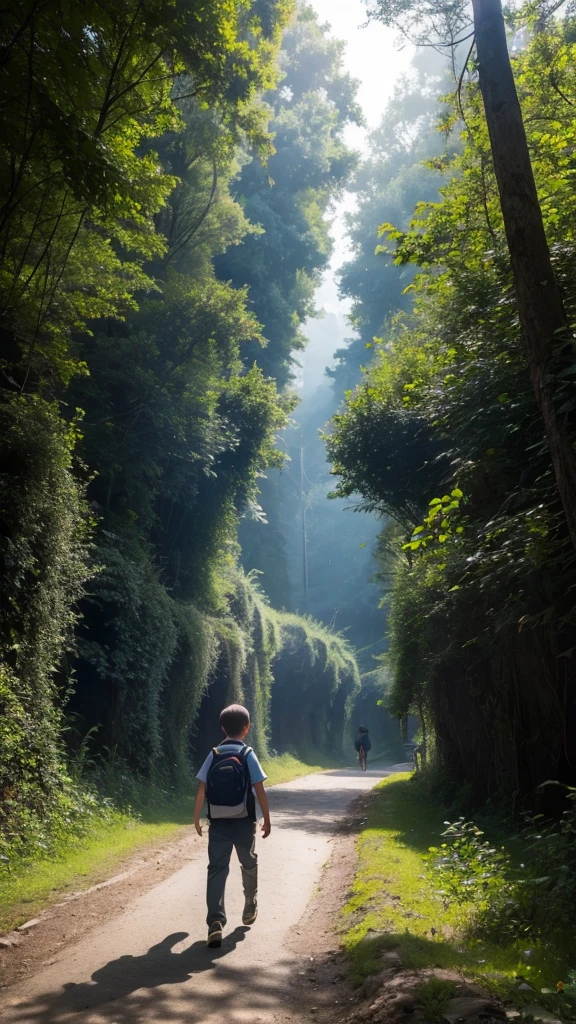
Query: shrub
{"type": "Point", "coordinates": [43, 534]}
{"type": "Point", "coordinates": [474, 872]}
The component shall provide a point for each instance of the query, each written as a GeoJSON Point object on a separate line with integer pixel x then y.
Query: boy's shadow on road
{"type": "Point", "coordinates": [159, 966]}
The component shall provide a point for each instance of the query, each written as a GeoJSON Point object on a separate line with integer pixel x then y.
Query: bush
{"type": "Point", "coordinates": [316, 681]}
{"type": "Point", "coordinates": [473, 872]}
{"type": "Point", "coordinates": [509, 899]}
{"type": "Point", "coordinates": [550, 851]}
{"type": "Point", "coordinates": [43, 534]}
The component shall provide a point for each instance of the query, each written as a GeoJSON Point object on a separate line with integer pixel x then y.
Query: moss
{"type": "Point", "coordinates": [162, 670]}
{"type": "Point", "coordinates": [316, 681]}
{"type": "Point", "coordinates": [43, 531]}
{"type": "Point", "coordinates": [190, 672]}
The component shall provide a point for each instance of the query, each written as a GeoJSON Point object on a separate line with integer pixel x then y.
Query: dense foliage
{"type": "Point", "coordinates": [444, 436]}
{"type": "Point", "coordinates": [389, 183]}
{"type": "Point", "coordinates": [138, 411]}
{"type": "Point", "coordinates": [330, 558]}
{"type": "Point", "coordinates": [290, 194]}
{"type": "Point", "coordinates": [316, 556]}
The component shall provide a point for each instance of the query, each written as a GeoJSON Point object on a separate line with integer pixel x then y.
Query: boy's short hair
{"type": "Point", "coordinates": [234, 719]}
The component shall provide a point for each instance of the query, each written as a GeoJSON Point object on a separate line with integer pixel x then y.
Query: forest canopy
{"type": "Point", "coordinates": [165, 176]}
{"type": "Point", "coordinates": [169, 172]}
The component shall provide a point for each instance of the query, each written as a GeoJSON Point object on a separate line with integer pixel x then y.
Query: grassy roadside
{"type": "Point", "coordinates": [284, 768]}
{"type": "Point", "coordinates": [398, 903]}
{"type": "Point", "coordinates": [25, 892]}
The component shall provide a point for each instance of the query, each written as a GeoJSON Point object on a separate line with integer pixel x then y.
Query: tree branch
{"type": "Point", "coordinates": [186, 235]}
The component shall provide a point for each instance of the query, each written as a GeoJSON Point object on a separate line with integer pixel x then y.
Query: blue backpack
{"type": "Point", "coordinates": [228, 785]}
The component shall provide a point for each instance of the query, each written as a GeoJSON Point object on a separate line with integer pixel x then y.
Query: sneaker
{"type": "Point", "coordinates": [215, 935]}
{"type": "Point", "coordinates": [250, 912]}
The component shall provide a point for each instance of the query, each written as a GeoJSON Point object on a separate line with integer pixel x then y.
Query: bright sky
{"type": "Point", "coordinates": [373, 55]}
{"type": "Point", "coordinates": [372, 52]}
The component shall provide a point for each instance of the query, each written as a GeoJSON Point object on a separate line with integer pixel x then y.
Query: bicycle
{"type": "Point", "coordinates": [363, 758]}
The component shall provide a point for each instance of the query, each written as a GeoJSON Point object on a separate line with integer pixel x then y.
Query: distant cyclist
{"type": "Point", "coordinates": [363, 745]}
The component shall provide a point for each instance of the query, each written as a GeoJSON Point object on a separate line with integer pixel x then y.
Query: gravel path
{"type": "Point", "coordinates": [150, 964]}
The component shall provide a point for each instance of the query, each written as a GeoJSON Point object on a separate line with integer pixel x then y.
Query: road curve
{"type": "Point", "coordinates": [150, 965]}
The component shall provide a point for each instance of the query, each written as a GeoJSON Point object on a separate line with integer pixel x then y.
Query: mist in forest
{"type": "Point", "coordinates": [286, 395]}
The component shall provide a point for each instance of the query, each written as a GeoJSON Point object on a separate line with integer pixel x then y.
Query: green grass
{"type": "Point", "coordinates": [284, 768]}
{"type": "Point", "coordinates": [25, 892]}
{"type": "Point", "coordinates": [434, 996]}
{"type": "Point", "coordinates": [395, 906]}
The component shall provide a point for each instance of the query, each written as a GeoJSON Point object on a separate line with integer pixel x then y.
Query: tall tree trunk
{"type": "Point", "coordinates": [540, 308]}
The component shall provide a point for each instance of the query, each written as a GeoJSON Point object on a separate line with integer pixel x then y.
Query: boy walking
{"type": "Point", "coordinates": [230, 779]}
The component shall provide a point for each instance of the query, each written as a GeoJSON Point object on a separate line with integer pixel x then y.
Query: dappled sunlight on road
{"type": "Point", "coordinates": [163, 984]}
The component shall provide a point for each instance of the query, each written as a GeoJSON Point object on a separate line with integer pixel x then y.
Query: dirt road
{"type": "Point", "coordinates": [150, 965]}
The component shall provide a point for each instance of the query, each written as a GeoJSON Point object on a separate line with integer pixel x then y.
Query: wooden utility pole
{"type": "Point", "coordinates": [540, 309]}
{"type": "Point", "coordinates": [303, 510]}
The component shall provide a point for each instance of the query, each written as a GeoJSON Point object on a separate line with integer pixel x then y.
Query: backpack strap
{"type": "Point", "coordinates": [250, 801]}
{"type": "Point", "coordinates": [242, 753]}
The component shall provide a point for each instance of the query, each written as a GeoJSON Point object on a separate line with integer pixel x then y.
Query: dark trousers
{"type": "Point", "coordinates": [224, 835]}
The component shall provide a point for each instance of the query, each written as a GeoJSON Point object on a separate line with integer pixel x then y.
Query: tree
{"type": "Point", "coordinates": [398, 173]}
{"type": "Point", "coordinates": [481, 619]}
{"type": "Point", "coordinates": [103, 106]}
{"type": "Point", "coordinates": [538, 298]}
{"type": "Point", "coordinates": [289, 195]}
{"type": "Point", "coordinates": [83, 90]}
{"type": "Point", "coordinates": [135, 423]}
{"type": "Point", "coordinates": [288, 198]}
